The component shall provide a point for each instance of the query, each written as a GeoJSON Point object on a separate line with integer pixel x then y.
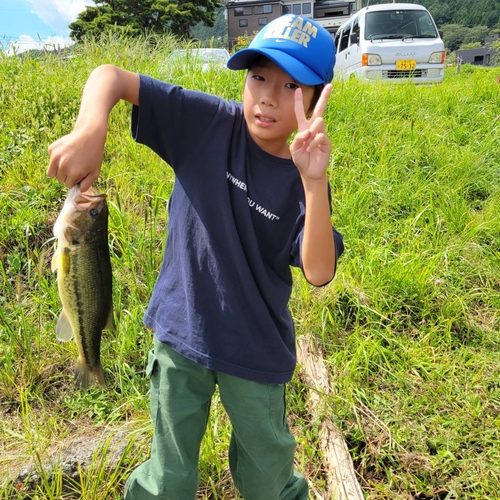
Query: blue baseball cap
{"type": "Point", "coordinates": [298, 45]}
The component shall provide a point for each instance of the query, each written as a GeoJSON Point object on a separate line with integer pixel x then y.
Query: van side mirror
{"type": "Point", "coordinates": [354, 38]}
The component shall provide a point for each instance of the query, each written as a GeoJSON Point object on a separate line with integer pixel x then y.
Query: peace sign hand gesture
{"type": "Point", "coordinates": [311, 148]}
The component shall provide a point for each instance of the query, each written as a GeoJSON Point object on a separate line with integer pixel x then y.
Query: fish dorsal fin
{"type": "Point", "coordinates": [64, 332]}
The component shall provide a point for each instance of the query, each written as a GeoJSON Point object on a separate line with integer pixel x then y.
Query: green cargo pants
{"type": "Point", "coordinates": [261, 449]}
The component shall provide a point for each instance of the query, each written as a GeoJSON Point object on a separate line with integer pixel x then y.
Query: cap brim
{"type": "Point", "coordinates": [297, 70]}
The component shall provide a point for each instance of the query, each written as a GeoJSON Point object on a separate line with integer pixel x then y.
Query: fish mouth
{"type": "Point", "coordinates": [72, 216]}
{"type": "Point", "coordinates": [83, 201]}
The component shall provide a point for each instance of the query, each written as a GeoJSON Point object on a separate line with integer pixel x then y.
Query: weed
{"type": "Point", "coordinates": [410, 326]}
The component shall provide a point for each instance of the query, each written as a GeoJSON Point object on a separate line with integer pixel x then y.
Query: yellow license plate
{"type": "Point", "coordinates": [406, 64]}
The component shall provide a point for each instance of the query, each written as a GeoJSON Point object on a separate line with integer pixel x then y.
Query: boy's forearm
{"type": "Point", "coordinates": [106, 86]}
{"type": "Point", "coordinates": [318, 246]}
{"type": "Point", "coordinates": [77, 156]}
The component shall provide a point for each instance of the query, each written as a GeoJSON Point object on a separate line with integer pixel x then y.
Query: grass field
{"type": "Point", "coordinates": [410, 327]}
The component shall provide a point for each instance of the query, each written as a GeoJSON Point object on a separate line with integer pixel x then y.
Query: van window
{"type": "Point", "coordinates": [399, 24]}
{"type": "Point", "coordinates": [337, 39]}
{"type": "Point", "coordinates": [344, 38]}
{"type": "Point", "coordinates": [355, 27]}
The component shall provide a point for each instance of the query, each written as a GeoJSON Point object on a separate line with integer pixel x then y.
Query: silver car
{"type": "Point", "coordinates": [206, 57]}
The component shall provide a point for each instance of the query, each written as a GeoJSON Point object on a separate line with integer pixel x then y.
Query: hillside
{"type": "Point", "coordinates": [468, 13]}
{"type": "Point", "coordinates": [462, 21]}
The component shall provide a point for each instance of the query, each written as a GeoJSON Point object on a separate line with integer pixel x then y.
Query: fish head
{"type": "Point", "coordinates": [83, 217]}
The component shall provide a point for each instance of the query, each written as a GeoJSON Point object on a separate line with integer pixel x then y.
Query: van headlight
{"type": "Point", "coordinates": [437, 57]}
{"type": "Point", "coordinates": [371, 60]}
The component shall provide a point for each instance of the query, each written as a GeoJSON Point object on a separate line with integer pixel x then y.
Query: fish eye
{"type": "Point", "coordinates": [94, 212]}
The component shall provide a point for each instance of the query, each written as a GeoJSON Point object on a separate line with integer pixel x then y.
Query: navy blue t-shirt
{"type": "Point", "coordinates": [236, 218]}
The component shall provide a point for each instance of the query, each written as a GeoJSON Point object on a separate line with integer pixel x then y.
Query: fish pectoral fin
{"type": "Point", "coordinates": [64, 331]}
{"type": "Point", "coordinates": [55, 261]}
{"type": "Point", "coordinates": [61, 260]}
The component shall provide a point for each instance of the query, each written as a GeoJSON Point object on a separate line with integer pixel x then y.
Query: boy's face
{"type": "Point", "coordinates": [268, 106]}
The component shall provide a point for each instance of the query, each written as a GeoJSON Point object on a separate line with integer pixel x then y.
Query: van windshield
{"type": "Point", "coordinates": [399, 24]}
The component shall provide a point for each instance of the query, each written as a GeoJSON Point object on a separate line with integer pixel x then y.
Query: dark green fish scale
{"type": "Point", "coordinates": [88, 287]}
{"type": "Point", "coordinates": [84, 280]}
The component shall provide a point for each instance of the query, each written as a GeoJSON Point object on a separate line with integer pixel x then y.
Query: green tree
{"type": "Point", "coordinates": [477, 34]}
{"type": "Point", "coordinates": [454, 35]}
{"type": "Point", "coordinates": [144, 16]}
{"type": "Point", "coordinates": [496, 58]}
{"type": "Point", "coordinates": [216, 35]}
{"type": "Point", "coordinates": [471, 45]}
{"type": "Point", "coordinates": [442, 13]}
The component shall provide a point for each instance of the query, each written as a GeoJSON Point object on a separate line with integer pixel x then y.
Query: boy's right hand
{"type": "Point", "coordinates": [77, 157]}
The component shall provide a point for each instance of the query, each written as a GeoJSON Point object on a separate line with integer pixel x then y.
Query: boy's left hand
{"type": "Point", "coordinates": [311, 148]}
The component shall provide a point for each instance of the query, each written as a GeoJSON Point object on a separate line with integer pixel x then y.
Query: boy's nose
{"type": "Point", "coordinates": [268, 99]}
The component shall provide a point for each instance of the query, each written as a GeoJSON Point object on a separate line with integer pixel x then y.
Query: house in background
{"type": "Point", "coordinates": [244, 17]}
{"type": "Point", "coordinates": [480, 56]}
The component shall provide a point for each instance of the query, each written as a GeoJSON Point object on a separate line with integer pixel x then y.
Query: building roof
{"type": "Point", "coordinates": [232, 3]}
{"type": "Point", "coordinates": [479, 51]}
{"type": "Point", "coordinates": [394, 6]}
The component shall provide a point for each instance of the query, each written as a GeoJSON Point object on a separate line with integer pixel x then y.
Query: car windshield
{"type": "Point", "coordinates": [203, 55]}
{"type": "Point", "coordinates": [399, 24]}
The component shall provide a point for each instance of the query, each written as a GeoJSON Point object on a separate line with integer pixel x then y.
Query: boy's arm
{"type": "Point", "coordinates": [318, 246]}
{"type": "Point", "coordinates": [311, 151]}
{"type": "Point", "coordinates": [77, 157]}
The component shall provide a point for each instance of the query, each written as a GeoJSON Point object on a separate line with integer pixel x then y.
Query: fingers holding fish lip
{"type": "Point", "coordinates": [87, 181]}
{"type": "Point", "coordinates": [60, 173]}
{"type": "Point", "coordinates": [68, 175]}
{"type": "Point", "coordinates": [53, 167]}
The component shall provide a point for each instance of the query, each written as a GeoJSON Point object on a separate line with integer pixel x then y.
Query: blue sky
{"type": "Point", "coordinates": [29, 24]}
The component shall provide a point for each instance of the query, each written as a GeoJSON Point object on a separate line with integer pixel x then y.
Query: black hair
{"type": "Point", "coordinates": [317, 92]}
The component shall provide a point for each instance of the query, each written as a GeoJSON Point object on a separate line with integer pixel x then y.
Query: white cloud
{"type": "Point", "coordinates": [58, 14]}
{"type": "Point", "coordinates": [26, 42]}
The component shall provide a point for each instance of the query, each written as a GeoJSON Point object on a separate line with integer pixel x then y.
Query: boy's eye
{"type": "Point", "coordinates": [292, 86]}
{"type": "Point", "coordinates": [258, 77]}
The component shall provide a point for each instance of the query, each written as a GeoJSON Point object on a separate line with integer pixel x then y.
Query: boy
{"type": "Point", "coordinates": [246, 205]}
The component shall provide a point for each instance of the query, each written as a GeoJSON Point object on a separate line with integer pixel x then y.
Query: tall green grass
{"type": "Point", "coordinates": [409, 327]}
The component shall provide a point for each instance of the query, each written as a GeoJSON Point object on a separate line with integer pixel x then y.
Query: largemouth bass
{"type": "Point", "coordinates": [84, 280]}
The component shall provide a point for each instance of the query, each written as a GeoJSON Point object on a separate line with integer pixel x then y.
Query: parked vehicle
{"type": "Point", "coordinates": [205, 57]}
{"type": "Point", "coordinates": [394, 42]}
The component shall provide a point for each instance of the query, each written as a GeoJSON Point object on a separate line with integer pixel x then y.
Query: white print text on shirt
{"type": "Point", "coordinates": [251, 203]}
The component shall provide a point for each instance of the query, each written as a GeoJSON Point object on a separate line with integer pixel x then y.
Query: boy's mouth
{"type": "Point", "coordinates": [264, 120]}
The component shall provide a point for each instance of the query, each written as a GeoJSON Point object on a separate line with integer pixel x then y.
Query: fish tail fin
{"type": "Point", "coordinates": [85, 375]}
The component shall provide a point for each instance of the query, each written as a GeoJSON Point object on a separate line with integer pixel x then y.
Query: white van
{"type": "Point", "coordinates": [393, 42]}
